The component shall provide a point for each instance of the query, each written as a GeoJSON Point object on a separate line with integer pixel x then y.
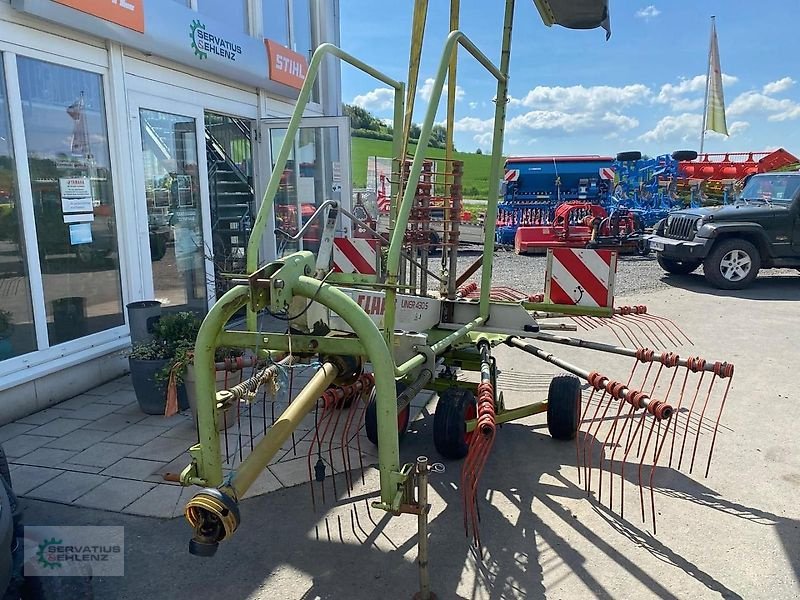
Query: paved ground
{"type": "Point", "coordinates": [733, 535]}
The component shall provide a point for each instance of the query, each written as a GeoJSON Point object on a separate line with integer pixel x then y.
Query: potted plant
{"type": "Point", "coordinates": [6, 329]}
{"type": "Point", "coordinates": [228, 373]}
{"type": "Point", "coordinates": [150, 362]}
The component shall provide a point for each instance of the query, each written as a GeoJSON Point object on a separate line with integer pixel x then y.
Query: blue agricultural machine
{"type": "Point", "coordinates": [536, 185]}
{"type": "Point", "coordinates": [648, 187]}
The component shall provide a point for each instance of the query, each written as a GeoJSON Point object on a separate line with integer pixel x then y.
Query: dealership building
{"type": "Point", "coordinates": [136, 141]}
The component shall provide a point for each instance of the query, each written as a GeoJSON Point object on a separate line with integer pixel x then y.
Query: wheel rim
{"type": "Point", "coordinates": [735, 265]}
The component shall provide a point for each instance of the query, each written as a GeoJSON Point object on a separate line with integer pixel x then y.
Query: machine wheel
{"type": "Point", "coordinates": [563, 406]}
{"type": "Point", "coordinates": [732, 265]}
{"type": "Point", "coordinates": [371, 418]}
{"type": "Point", "coordinates": [456, 406]}
{"type": "Point", "coordinates": [677, 267]}
{"type": "Point", "coordinates": [684, 155]}
{"type": "Point", "coordinates": [628, 156]}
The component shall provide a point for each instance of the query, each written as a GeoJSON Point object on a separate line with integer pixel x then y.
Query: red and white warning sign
{"type": "Point", "coordinates": [580, 277]}
{"type": "Point", "coordinates": [356, 255]}
{"type": "Point", "coordinates": [511, 175]}
{"type": "Point", "coordinates": [607, 173]}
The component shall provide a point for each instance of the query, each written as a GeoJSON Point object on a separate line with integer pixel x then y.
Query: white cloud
{"type": "Point", "coordinates": [781, 85]}
{"type": "Point", "coordinates": [587, 99]}
{"type": "Point", "coordinates": [781, 109]}
{"type": "Point", "coordinates": [377, 99]}
{"type": "Point", "coordinates": [559, 122]}
{"type": "Point", "coordinates": [473, 124]}
{"type": "Point", "coordinates": [427, 90]}
{"type": "Point", "coordinates": [484, 140]}
{"type": "Point", "coordinates": [686, 127]}
{"type": "Point", "coordinates": [675, 94]}
{"type": "Point", "coordinates": [648, 12]}
{"type": "Point", "coordinates": [473, 105]}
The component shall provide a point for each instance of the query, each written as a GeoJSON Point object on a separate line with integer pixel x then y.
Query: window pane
{"type": "Point", "coordinates": [276, 21]}
{"type": "Point", "coordinates": [73, 200]}
{"type": "Point", "coordinates": [17, 335]}
{"type": "Point", "coordinates": [230, 12]}
{"type": "Point", "coordinates": [301, 34]}
{"type": "Point", "coordinates": [172, 189]}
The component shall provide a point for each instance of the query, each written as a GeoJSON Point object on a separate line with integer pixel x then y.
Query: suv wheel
{"type": "Point", "coordinates": [732, 265]}
{"type": "Point", "coordinates": [677, 267]}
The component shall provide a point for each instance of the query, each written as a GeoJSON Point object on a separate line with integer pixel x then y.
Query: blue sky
{"type": "Point", "coordinates": [575, 93]}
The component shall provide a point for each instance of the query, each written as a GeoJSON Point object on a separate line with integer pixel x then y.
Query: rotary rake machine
{"type": "Point", "coordinates": [339, 352]}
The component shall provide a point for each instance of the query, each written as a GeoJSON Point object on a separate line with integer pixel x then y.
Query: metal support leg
{"type": "Point", "coordinates": [422, 527]}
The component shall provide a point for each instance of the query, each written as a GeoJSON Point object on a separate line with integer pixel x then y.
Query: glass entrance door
{"type": "Point", "coordinates": [172, 187]}
{"type": "Point", "coordinates": [318, 169]}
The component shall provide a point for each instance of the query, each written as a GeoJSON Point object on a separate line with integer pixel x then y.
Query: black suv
{"type": "Point", "coordinates": [761, 230]}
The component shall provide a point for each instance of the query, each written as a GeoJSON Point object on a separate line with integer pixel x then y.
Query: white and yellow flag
{"type": "Point", "coordinates": [715, 105]}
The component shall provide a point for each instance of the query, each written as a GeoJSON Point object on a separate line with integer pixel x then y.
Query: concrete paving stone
{"type": "Point", "coordinates": [187, 493]}
{"type": "Point", "coordinates": [107, 388]}
{"type": "Point", "coordinates": [13, 430]}
{"type": "Point", "coordinates": [45, 457]}
{"type": "Point", "coordinates": [114, 494]}
{"type": "Point", "coordinates": [79, 468]}
{"type": "Point", "coordinates": [44, 416]}
{"type": "Point", "coordinates": [131, 409]}
{"type": "Point", "coordinates": [59, 427]}
{"type": "Point", "coordinates": [161, 449]}
{"type": "Point", "coordinates": [174, 467]}
{"type": "Point", "coordinates": [166, 422]}
{"type": "Point", "coordinates": [160, 501]}
{"type": "Point", "coordinates": [291, 472]}
{"type": "Point", "coordinates": [66, 487]}
{"type": "Point", "coordinates": [114, 422]}
{"type": "Point", "coordinates": [265, 483]}
{"type": "Point", "coordinates": [25, 477]}
{"type": "Point", "coordinates": [94, 411]}
{"type": "Point", "coordinates": [23, 444]}
{"type": "Point", "coordinates": [77, 402]}
{"type": "Point", "coordinates": [121, 397]}
{"type": "Point", "coordinates": [133, 468]}
{"type": "Point", "coordinates": [78, 440]}
{"type": "Point", "coordinates": [136, 434]}
{"type": "Point", "coordinates": [102, 454]}
{"type": "Point", "coordinates": [183, 431]}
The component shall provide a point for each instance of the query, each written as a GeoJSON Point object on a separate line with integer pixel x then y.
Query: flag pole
{"type": "Point", "coordinates": [708, 83]}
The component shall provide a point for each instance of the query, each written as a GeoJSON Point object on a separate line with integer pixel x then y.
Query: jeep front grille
{"type": "Point", "coordinates": [680, 227]}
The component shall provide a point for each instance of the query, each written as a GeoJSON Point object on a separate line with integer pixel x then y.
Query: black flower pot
{"type": "Point", "coordinates": [151, 394]}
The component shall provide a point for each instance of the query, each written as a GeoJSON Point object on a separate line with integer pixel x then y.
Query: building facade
{"type": "Point", "coordinates": [136, 140]}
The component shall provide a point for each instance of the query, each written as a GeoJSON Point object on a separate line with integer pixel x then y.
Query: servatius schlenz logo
{"type": "Point", "coordinates": [196, 44]}
{"type": "Point", "coordinates": [205, 42]}
{"type": "Point", "coordinates": [45, 557]}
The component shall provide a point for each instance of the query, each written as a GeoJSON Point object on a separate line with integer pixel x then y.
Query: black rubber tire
{"type": "Point", "coordinates": [5, 472]}
{"type": "Point", "coordinates": [684, 155]}
{"type": "Point", "coordinates": [677, 267]}
{"type": "Point", "coordinates": [563, 407]}
{"type": "Point", "coordinates": [371, 418]}
{"type": "Point", "coordinates": [628, 156]}
{"type": "Point", "coordinates": [455, 406]}
{"type": "Point", "coordinates": [711, 265]}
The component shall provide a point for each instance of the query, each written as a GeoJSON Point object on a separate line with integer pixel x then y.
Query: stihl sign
{"type": "Point", "coordinates": [286, 66]}
{"type": "Point", "coordinates": [128, 13]}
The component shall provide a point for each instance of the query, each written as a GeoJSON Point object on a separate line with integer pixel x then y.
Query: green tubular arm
{"type": "Point", "coordinates": [383, 370]}
{"type": "Point", "coordinates": [320, 53]}
{"type": "Point", "coordinates": [210, 464]}
{"type": "Point", "coordinates": [393, 263]}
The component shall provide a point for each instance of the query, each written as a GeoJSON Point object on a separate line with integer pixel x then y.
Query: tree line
{"type": "Point", "coordinates": [366, 125]}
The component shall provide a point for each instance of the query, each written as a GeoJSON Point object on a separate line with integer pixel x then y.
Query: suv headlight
{"type": "Point", "coordinates": [705, 230]}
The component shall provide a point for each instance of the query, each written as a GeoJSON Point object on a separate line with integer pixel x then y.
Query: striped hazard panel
{"type": "Point", "coordinates": [355, 255]}
{"type": "Point", "coordinates": [580, 277]}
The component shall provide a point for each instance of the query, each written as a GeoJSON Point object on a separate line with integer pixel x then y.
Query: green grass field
{"type": "Point", "coordinates": [476, 166]}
